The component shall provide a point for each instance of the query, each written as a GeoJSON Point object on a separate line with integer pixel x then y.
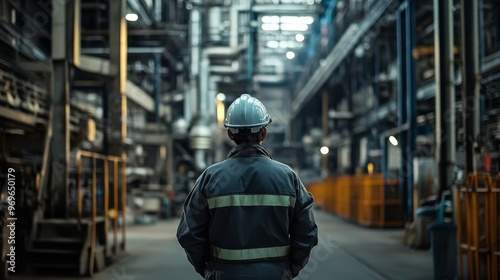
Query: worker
{"type": "Point", "coordinates": [248, 217]}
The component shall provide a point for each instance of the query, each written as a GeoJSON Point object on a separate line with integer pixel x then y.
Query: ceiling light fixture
{"type": "Point", "coordinates": [393, 140]}
{"type": "Point", "coordinates": [270, 26]}
{"type": "Point", "coordinates": [270, 19]}
{"type": "Point", "coordinates": [131, 17]}
{"type": "Point", "coordinates": [273, 44]}
{"type": "Point", "coordinates": [221, 96]}
{"type": "Point", "coordinates": [294, 27]}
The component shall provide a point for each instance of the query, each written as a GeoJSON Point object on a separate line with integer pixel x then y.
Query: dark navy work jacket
{"type": "Point", "coordinates": [248, 217]}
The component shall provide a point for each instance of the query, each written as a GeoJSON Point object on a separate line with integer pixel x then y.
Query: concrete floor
{"type": "Point", "coordinates": [345, 251]}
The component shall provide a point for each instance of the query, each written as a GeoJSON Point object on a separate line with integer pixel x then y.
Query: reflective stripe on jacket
{"type": "Point", "coordinates": [248, 209]}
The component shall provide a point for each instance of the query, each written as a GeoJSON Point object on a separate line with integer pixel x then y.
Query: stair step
{"type": "Point", "coordinates": [58, 243]}
{"type": "Point", "coordinates": [55, 265]}
{"type": "Point", "coordinates": [61, 240]}
{"type": "Point", "coordinates": [54, 256]}
{"type": "Point", "coordinates": [70, 221]}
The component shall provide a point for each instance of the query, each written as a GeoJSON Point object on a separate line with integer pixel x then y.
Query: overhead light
{"type": "Point", "coordinates": [290, 55]}
{"type": "Point", "coordinates": [307, 19]}
{"type": "Point", "coordinates": [283, 44]}
{"type": "Point", "coordinates": [299, 37]}
{"type": "Point", "coordinates": [270, 19]}
{"type": "Point", "coordinates": [324, 150]}
{"type": "Point", "coordinates": [294, 26]}
{"type": "Point", "coordinates": [131, 17]}
{"type": "Point", "coordinates": [270, 26]}
{"type": "Point", "coordinates": [273, 44]}
{"type": "Point", "coordinates": [221, 96]}
{"type": "Point", "coordinates": [393, 140]}
{"type": "Point", "coordinates": [296, 19]}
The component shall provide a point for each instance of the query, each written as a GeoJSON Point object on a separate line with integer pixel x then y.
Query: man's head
{"type": "Point", "coordinates": [246, 120]}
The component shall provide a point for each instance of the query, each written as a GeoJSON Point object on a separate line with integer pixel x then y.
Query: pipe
{"type": "Point", "coordinates": [470, 81]}
{"type": "Point", "coordinates": [228, 52]}
{"type": "Point", "coordinates": [140, 9]}
{"type": "Point", "coordinates": [445, 93]}
{"type": "Point", "coordinates": [271, 79]}
{"type": "Point", "coordinates": [234, 68]}
{"type": "Point", "coordinates": [158, 10]}
{"type": "Point", "coordinates": [406, 105]}
{"type": "Point", "coordinates": [157, 90]}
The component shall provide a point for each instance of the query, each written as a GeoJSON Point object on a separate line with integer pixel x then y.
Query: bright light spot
{"type": "Point", "coordinates": [297, 20]}
{"type": "Point", "coordinates": [270, 26]}
{"type": "Point", "coordinates": [283, 44]}
{"type": "Point", "coordinates": [307, 19]}
{"type": "Point", "coordinates": [370, 167]}
{"type": "Point", "coordinates": [131, 17]}
{"type": "Point", "coordinates": [290, 55]}
{"type": "Point", "coordinates": [220, 112]}
{"type": "Point", "coordinates": [393, 140]}
{"type": "Point", "coordinates": [221, 96]}
{"type": "Point", "coordinates": [289, 19]}
{"type": "Point", "coordinates": [324, 150]}
{"type": "Point", "coordinates": [299, 37]}
{"type": "Point", "coordinates": [273, 44]}
{"type": "Point", "coordinates": [294, 26]}
{"type": "Point", "coordinates": [270, 19]}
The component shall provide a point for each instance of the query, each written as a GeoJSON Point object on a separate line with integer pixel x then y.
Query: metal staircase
{"type": "Point", "coordinates": [85, 241]}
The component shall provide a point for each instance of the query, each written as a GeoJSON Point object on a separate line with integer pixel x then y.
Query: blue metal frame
{"type": "Point", "coordinates": [406, 101]}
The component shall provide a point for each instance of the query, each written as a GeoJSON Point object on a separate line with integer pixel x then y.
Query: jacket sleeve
{"type": "Point", "coordinates": [192, 232]}
{"type": "Point", "coordinates": [304, 231]}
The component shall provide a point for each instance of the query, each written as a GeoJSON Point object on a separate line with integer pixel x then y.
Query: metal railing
{"type": "Point", "coordinates": [478, 232]}
{"type": "Point", "coordinates": [96, 169]}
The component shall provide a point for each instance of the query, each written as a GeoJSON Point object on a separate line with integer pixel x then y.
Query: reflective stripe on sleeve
{"type": "Point", "coordinates": [251, 200]}
{"type": "Point", "coordinates": [249, 254]}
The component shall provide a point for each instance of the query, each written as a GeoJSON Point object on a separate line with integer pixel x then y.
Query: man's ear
{"type": "Point", "coordinates": [264, 134]}
{"type": "Point", "coordinates": [230, 134]}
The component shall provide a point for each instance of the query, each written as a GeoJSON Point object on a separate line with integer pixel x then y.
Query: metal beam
{"type": "Point", "coordinates": [445, 92]}
{"type": "Point", "coordinates": [95, 65]}
{"type": "Point", "coordinates": [61, 114]}
{"type": "Point", "coordinates": [41, 67]}
{"type": "Point", "coordinates": [117, 106]}
{"type": "Point", "coordinates": [130, 50]}
{"type": "Point", "coordinates": [157, 89]}
{"type": "Point", "coordinates": [140, 32]}
{"type": "Point", "coordinates": [141, 9]}
{"type": "Point", "coordinates": [139, 96]}
{"type": "Point", "coordinates": [342, 49]}
{"type": "Point", "coordinates": [470, 81]}
{"type": "Point", "coordinates": [20, 117]}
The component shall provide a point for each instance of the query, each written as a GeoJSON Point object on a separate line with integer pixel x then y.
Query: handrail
{"type": "Point", "coordinates": [118, 163]}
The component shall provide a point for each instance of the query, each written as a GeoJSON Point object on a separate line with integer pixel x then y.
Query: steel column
{"type": "Point", "coordinates": [406, 38]}
{"type": "Point", "coordinates": [401, 66]}
{"type": "Point", "coordinates": [411, 105]}
{"type": "Point", "coordinates": [60, 118]}
{"type": "Point", "coordinates": [157, 92]}
{"type": "Point", "coordinates": [470, 80]}
{"type": "Point", "coordinates": [118, 69]}
{"type": "Point", "coordinates": [251, 48]}
{"type": "Point", "coordinates": [445, 92]}
{"type": "Point", "coordinates": [324, 121]}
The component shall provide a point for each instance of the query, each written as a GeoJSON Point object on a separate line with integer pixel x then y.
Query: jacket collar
{"type": "Point", "coordinates": [248, 150]}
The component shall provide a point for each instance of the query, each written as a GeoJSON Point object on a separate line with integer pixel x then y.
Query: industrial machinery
{"type": "Point", "coordinates": [76, 103]}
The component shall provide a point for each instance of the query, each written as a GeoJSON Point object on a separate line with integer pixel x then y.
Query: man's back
{"type": "Point", "coordinates": [253, 216]}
